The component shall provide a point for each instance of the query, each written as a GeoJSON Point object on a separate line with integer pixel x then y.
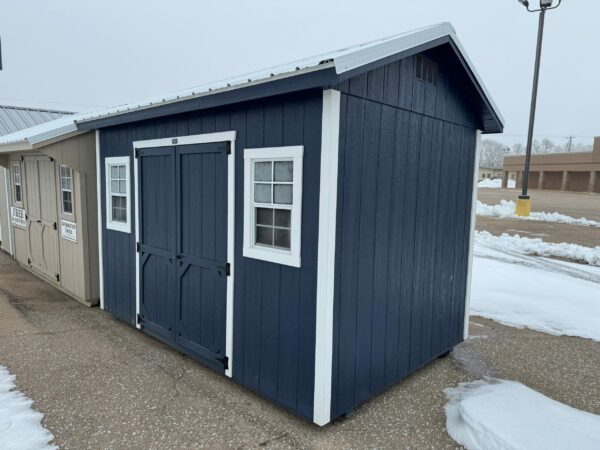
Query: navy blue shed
{"type": "Point", "coordinates": [306, 230]}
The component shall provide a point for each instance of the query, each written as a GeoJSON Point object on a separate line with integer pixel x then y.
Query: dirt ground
{"type": "Point", "coordinates": [569, 203]}
{"type": "Point", "coordinates": [103, 384]}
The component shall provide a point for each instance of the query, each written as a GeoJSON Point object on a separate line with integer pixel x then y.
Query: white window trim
{"type": "Point", "coordinates": [125, 227]}
{"type": "Point", "coordinates": [62, 200]}
{"type": "Point", "coordinates": [251, 250]}
{"type": "Point", "coordinates": [14, 185]}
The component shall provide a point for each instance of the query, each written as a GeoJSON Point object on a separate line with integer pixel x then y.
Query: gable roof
{"type": "Point", "coordinates": [321, 70]}
{"type": "Point", "coordinates": [15, 118]}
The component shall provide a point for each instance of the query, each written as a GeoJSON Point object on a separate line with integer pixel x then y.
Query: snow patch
{"type": "Point", "coordinates": [506, 208]}
{"type": "Point", "coordinates": [536, 246]}
{"type": "Point", "coordinates": [535, 293]}
{"type": "Point", "coordinates": [20, 426]}
{"type": "Point", "coordinates": [500, 414]}
{"type": "Point", "coordinates": [495, 183]}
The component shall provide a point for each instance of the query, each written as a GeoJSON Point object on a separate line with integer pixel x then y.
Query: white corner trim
{"type": "Point", "coordinates": [326, 256]}
{"type": "Point", "coordinates": [188, 140]}
{"type": "Point", "coordinates": [99, 221]}
{"type": "Point", "coordinates": [472, 234]}
{"type": "Point", "coordinates": [7, 175]}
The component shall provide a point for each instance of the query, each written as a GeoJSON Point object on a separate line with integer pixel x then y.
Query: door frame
{"type": "Point", "coordinates": [225, 136]}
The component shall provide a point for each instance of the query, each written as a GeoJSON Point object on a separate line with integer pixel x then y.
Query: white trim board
{"type": "Point", "coordinates": [226, 136]}
{"type": "Point", "coordinates": [326, 256]}
{"type": "Point", "coordinates": [99, 220]}
{"type": "Point", "coordinates": [472, 234]}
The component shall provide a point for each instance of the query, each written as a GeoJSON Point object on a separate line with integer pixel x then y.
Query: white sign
{"type": "Point", "coordinates": [68, 230]}
{"type": "Point", "coordinates": [18, 217]}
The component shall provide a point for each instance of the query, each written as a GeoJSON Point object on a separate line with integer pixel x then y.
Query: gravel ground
{"type": "Point", "coordinates": [103, 384]}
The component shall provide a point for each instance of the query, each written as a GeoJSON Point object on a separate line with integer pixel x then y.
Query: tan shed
{"type": "Point", "coordinates": [53, 205]}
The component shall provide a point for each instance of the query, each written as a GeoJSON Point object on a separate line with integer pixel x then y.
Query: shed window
{"type": "Point", "coordinates": [426, 70]}
{"type": "Point", "coordinates": [273, 201]}
{"type": "Point", "coordinates": [17, 189]}
{"type": "Point", "coordinates": [66, 189]}
{"type": "Point", "coordinates": [118, 203]}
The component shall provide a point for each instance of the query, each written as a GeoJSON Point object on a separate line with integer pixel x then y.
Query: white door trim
{"type": "Point", "coordinates": [99, 219]}
{"type": "Point", "coordinates": [472, 234]}
{"type": "Point", "coordinates": [326, 255]}
{"type": "Point", "coordinates": [227, 136]}
{"type": "Point", "coordinates": [8, 186]}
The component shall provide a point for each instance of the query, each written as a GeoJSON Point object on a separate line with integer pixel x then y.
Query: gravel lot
{"type": "Point", "coordinates": [103, 384]}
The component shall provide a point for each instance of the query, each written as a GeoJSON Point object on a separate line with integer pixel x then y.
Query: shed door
{"type": "Point", "coordinates": [40, 181]}
{"type": "Point", "coordinates": [183, 245]}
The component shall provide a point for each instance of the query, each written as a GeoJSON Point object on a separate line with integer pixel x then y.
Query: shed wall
{"type": "Point", "coordinates": [404, 207]}
{"type": "Point", "coordinates": [274, 305]}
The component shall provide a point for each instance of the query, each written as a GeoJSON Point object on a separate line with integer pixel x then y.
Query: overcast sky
{"type": "Point", "coordinates": [84, 54]}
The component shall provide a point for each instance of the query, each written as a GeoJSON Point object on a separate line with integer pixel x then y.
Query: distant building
{"type": "Point", "coordinates": [490, 173]}
{"type": "Point", "coordinates": [576, 171]}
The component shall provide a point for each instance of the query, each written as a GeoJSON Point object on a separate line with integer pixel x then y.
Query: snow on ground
{"type": "Point", "coordinates": [528, 246]}
{"type": "Point", "coordinates": [506, 208]}
{"type": "Point", "coordinates": [495, 183]}
{"type": "Point", "coordinates": [537, 293]}
{"type": "Point", "coordinates": [500, 414]}
{"type": "Point", "coordinates": [20, 426]}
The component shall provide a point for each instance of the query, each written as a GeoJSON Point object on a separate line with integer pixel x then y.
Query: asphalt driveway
{"type": "Point", "coordinates": [102, 384]}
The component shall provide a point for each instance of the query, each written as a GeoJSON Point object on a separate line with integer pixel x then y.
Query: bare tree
{"type": "Point", "coordinates": [492, 154]}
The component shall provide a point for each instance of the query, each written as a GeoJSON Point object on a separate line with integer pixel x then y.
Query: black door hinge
{"type": "Point", "coordinates": [226, 269]}
{"type": "Point", "coordinates": [137, 247]}
{"type": "Point", "coordinates": [227, 148]}
{"type": "Point", "coordinates": [225, 361]}
{"type": "Point", "coordinates": [136, 152]}
{"type": "Point", "coordinates": [140, 319]}
{"type": "Point", "coordinates": [57, 277]}
{"type": "Point", "coordinates": [54, 225]}
{"type": "Point", "coordinates": [22, 158]}
{"type": "Point", "coordinates": [28, 261]}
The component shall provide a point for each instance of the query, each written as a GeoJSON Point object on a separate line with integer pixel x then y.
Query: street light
{"type": "Point", "coordinates": [524, 202]}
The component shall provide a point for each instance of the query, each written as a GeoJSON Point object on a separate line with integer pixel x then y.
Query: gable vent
{"type": "Point", "coordinates": [426, 70]}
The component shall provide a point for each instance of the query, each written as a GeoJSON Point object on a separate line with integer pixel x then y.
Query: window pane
{"type": "Point", "coordinates": [119, 209]}
{"type": "Point", "coordinates": [284, 171]}
{"type": "Point", "coordinates": [18, 193]}
{"type": "Point", "coordinates": [282, 238]}
{"type": "Point", "coordinates": [262, 193]}
{"type": "Point", "coordinates": [264, 216]}
{"type": "Point", "coordinates": [114, 187]}
{"type": "Point", "coordinates": [262, 171]}
{"type": "Point", "coordinates": [283, 218]}
{"type": "Point", "coordinates": [67, 202]}
{"type": "Point", "coordinates": [122, 187]}
{"type": "Point", "coordinates": [62, 171]}
{"type": "Point", "coordinates": [122, 174]}
{"type": "Point", "coordinates": [264, 235]}
{"type": "Point", "coordinates": [114, 172]}
{"type": "Point", "coordinates": [282, 194]}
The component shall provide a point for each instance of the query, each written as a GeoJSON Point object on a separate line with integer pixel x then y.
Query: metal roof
{"type": "Point", "coordinates": [344, 60]}
{"type": "Point", "coordinates": [15, 118]}
{"type": "Point", "coordinates": [340, 62]}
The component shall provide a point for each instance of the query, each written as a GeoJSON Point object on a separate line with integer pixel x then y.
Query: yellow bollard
{"type": "Point", "coordinates": [523, 207]}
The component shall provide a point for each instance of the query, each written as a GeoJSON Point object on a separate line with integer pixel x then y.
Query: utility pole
{"type": "Point", "coordinates": [524, 202]}
{"type": "Point", "coordinates": [570, 139]}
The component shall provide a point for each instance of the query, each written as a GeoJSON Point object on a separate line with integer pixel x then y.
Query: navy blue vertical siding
{"type": "Point", "coordinates": [274, 305]}
{"type": "Point", "coordinates": [404, 201]}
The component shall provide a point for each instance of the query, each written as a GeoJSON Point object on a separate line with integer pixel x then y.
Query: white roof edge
{"type": "Point", "coordinates": [38, 134]}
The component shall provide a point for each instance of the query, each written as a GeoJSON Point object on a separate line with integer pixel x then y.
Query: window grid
{"type": "Point", "coordinates": [118, 192]}
{"type": "Point", "coordinates": [16, 170]}
{"type": "Point", "coordinates": [66, 189]}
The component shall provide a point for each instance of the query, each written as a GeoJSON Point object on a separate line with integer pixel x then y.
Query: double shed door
{"type": "Point", "coordinates": [183, 246]}
{"type": "Point", "coordinates": [42, 227]}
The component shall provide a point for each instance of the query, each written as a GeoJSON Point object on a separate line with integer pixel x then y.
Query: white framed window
{"type": "Point", "coordinates": [273, 204]}
{"type": "Point", "coordinates": [118, 198]}
{"type": "Point", "coordinates": [17, 184]}
{"type": "Point", "coordinates": [66, 189]}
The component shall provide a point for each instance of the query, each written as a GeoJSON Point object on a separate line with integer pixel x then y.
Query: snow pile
{"type": "Point", "coordinates": [20, 426]}
{"type": "Point", "coordinates": [536, 293]}
{"type": "Point", "coordinates": [495, 183]}
{"type": "Point", "coordinates": [506, 208]}
{"type": "Point", "coordinates": [528, 246]}
{"type": "Point", "coordinates": [501, 414]}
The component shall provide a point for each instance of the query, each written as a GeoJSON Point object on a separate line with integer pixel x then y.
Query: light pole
{"type": "Point", "coordinates": [524, 202]}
